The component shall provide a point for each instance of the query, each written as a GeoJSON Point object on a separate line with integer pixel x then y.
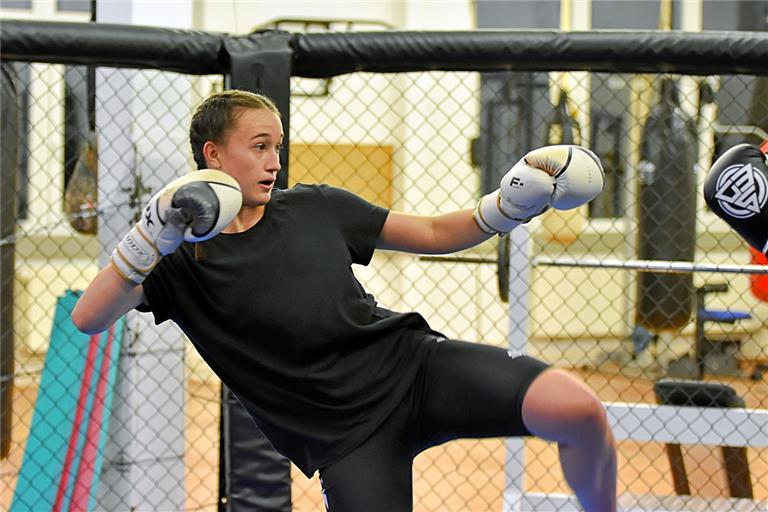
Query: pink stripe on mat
{"type": "Point", "coordinates": [84, 477]}
{"type": "Point", "coordinates": [93, 347]}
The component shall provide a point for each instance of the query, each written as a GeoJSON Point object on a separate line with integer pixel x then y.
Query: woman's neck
{"type": "Point", "coordinates": [248, 217]}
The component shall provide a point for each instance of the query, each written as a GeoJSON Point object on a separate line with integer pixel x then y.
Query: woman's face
{"type": "Point", "coordinates": [250, 153]}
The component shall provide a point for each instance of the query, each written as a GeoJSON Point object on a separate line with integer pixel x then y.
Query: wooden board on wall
{"type": "Point", "coordinates": [365, 169]}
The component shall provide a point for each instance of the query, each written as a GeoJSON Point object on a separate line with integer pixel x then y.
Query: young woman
{"type": "Point", "coordinates": [337, 383]}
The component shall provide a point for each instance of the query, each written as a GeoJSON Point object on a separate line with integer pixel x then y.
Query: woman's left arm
{"type": "Point", "coordinates": [563, 176]}
{"type": "Point", "coordinates": [440, 234]}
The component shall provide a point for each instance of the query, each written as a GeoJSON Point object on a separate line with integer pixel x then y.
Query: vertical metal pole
{"type": "Point", "coordinates": [519, 315]}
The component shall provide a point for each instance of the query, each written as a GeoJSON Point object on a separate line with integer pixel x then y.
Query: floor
{"type": "Point", "coordinates": [463, 475]}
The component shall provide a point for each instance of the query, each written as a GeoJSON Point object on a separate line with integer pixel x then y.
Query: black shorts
{"type": "Point", "coordinates": [463, 390]}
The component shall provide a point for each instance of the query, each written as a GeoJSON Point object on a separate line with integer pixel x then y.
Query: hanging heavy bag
{"type": "Point", "coordinates": [667, 212]}
{"type": "Point", "coordinates": [562, 127]}
{"type": "Point", "coordinates": [81, 192]}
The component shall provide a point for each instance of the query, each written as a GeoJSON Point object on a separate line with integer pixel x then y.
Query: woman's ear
{"type": "Point", "coordinates": [211, 154]}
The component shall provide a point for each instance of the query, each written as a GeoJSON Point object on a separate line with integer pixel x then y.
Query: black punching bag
{"type": "Point", "coordinates": [10, 144]}
{"type": "Point", "coordinates": [667, 211]}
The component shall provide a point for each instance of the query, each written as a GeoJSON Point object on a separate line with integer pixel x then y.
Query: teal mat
{"type": "Point", "coordinates": [64, 451]}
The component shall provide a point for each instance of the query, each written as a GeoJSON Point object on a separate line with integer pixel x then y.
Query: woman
{"type": "Point", "coordinates": [337, 383]}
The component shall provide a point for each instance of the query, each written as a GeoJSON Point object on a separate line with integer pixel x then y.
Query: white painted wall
{"type": "Point", "coordinates": [238, 17]}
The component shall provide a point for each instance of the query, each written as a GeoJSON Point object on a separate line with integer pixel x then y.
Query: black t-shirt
{"type": "Point", "coordinates": [279, 316]}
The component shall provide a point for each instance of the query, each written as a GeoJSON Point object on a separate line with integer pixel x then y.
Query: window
{"type": "Point", "coordinates": [16, 4]}
{"type": "Point", "coordinates": [74, 5]}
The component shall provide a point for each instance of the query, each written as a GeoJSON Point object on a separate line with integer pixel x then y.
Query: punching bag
{"type": "Point", "coordinates": [82, 189]}
{"type": "Point", "coordinates": [562, 127]}
{"type": "Point", "coordinates": [667, 212]}
{"type": "Point", "coordinates": [10, 147]}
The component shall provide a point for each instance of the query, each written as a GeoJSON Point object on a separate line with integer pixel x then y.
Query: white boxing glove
{"type": "Point", "coordinates": [563, 177]}
{"type": "Point", "coordinates": [578, 173]}
{"type": "Point", "coordinates": [525, 192]}
{"type": "Point", "coordinates": [194, 208]}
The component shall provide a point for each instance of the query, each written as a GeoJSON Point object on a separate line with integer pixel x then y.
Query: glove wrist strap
{"type": "Point", "coordinates": [491, 219]}
{"type": "Point", "coordinates": [135, 256]}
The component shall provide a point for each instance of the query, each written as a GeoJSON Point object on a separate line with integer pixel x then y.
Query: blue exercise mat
{"type": "Point", "coordinates": [64, 451]}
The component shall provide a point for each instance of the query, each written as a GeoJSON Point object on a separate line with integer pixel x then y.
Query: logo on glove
{"type": "Point", "coordinates": [139, 253]}
{"type": "Point", "coordinates": [741, 192]}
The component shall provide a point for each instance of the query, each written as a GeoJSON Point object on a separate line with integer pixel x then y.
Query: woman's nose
{"type": "Point", "coordinates": [274, 163]}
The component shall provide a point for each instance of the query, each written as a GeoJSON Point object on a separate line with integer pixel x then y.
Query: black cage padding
{"type": "Point", "coordinates": [105, 44]}
{"type": "Point", "coordinates": [704, 53]}
{"type": "Point", "coordinates": [329, 54]}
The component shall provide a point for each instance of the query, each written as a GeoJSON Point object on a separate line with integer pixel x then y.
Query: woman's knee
{"type": "Point", "coordinates": [559, 406]}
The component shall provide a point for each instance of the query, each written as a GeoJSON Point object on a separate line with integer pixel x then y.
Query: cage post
{"type": "Point", "coordinates": [261, 62]}
{"type": "Point", "coordinates": [252, 474]}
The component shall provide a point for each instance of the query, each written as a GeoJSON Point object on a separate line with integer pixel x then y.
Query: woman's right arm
{"type": "Point", "coordinates": [107, 298]}
{"type": "Point", "coordinates": [183, 203]}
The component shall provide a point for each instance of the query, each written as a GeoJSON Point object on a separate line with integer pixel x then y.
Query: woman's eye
{"type": "Point", "coordinates": [278, 148]}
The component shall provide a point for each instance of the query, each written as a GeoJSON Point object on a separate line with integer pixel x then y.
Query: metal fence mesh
{"type": "Point", "coordinates": [431, 142]}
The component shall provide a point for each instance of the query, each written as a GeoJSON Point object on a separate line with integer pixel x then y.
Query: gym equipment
{"type": "Point", "coordinates": [61, 469]}
{"type": "Point", "coordinates": [705, 394]}
{"type": "Point", "coordinates": [9, 169]}
{"type": "Point", "coordinates": [714, 356]}
{"type": "Point", "coordinates": [667, 215]}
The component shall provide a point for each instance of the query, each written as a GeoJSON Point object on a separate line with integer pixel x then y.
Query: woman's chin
{"type": "Point", "coordinates": [258, 199]}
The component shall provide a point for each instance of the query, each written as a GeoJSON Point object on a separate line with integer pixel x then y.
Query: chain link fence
{"type": "Point", "coordinates": [432, 142]}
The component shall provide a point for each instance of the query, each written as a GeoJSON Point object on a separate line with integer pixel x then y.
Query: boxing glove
{"type": "Point", "coordinates": [736, 190]}
{"type": "Point", "coordinates": [560, 176]}
{"type": "Point", "coordinates": [578, 173]}
{"type": "Point", "coordinates": [193, 208]}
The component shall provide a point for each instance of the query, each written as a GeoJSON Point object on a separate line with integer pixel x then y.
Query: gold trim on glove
{"type": "Point", "coordinates": [477, 216]}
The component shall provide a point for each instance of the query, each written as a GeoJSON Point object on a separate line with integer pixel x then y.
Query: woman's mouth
{"type": "Point", "coordinates": [267, 184]}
